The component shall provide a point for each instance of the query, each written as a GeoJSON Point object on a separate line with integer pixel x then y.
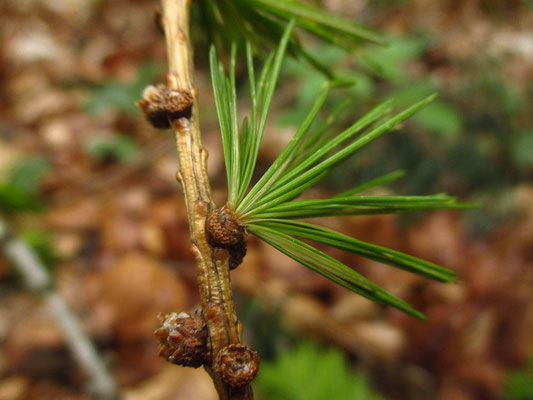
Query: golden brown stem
{"type": "Point", "coordinates": [212, 264]}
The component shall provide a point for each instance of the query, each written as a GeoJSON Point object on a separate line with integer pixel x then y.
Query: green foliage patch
{"type": "Point", "coordinates": [21, 191]}
{"type": "Point", "coordinates": [309, 373]}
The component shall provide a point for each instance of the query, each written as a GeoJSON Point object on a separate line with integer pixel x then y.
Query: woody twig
{"type": "Point", "coordinates": [231, 365]}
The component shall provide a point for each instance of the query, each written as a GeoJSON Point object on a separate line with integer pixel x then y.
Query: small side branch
{"type": "Point", "coordinates": [101, 383]}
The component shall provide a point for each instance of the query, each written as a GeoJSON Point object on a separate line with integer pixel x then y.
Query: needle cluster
{"type": "Point", "coordinates": [270, 208]}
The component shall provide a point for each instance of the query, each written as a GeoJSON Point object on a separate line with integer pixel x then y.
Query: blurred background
{"type": "Point", "coordinates": [90, 186]}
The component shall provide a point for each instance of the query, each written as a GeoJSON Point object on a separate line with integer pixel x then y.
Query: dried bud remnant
{"type": "Point", "coordinates": [237, 364]}
{"type": "Point", "coordinates": [158, 20]}
{"type": "Point", "coordinates": [162, 105]}
{"type": "Point", "coordinates": [236, 254]}
{"type": "Point", "coordinates": [183, 339]}
{"type": "Point", "coordinates": [224, 231]}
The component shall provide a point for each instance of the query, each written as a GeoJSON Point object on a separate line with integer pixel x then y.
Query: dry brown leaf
{"type": "Point", "coordinates": [128, 296]}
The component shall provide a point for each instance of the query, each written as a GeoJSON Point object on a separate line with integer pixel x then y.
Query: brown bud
{"type": "Point", "coordinates": [162, 105]}
{"type": "Point", "coordinates": [183, 339]}
{"type": "Point", "coordinates": [224, 231]}
{"type": "Point", "coordinates": [237, 364]}
{"type": "Point", "coordinates": [223, 228]}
